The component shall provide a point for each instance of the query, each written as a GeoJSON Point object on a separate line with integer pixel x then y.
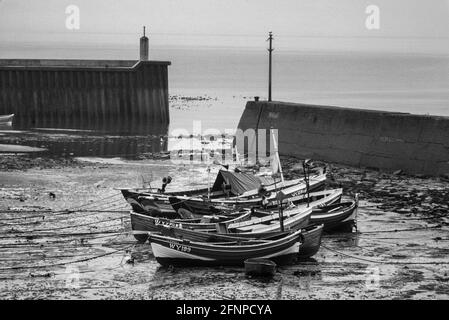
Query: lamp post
{"type": "Point", "coordinates": [270, 50]}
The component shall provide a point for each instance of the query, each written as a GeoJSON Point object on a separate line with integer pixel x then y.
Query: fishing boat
{"type": "Point", "coordinates": [204, 235]}
{"type": "Point", "coordinates": [293, 219]}
{"type": "Point", "coordinates": [312, 241]}
{"type": "Point", "coordinates": [141, 224]}
{"type": "Point", "coordinates": [231, 188]}
{"type": "Point", "coordinates": [172, 251]}
{"type": "Point", "coordinates": [311, 234]}
{"type": "Point", "coordinates": [190, 207]}
{"type": "Point", "coordinates": [336, 217]}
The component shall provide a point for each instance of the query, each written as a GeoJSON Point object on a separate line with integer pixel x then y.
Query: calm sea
{"type": "Point", "coordinates": [395, 82]}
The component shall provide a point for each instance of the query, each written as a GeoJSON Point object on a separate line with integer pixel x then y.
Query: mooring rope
{"type": "Point", "coordinates": [66, 263]}
{"type": "Point", "coordinates": [54, 219]}
{"type": "Point", "coordinates": [379, 262]}
{"type": "Point", "coordinates": [64, 227]}
{"type": "Point", "coordinates": [71, 210]}
{"type": "Point", "coordinates": [401, 230]}
{"type": "Point", "coordinates": [60, 235]}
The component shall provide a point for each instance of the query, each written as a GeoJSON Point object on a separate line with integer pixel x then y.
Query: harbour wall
{"type": "Point", "coordinates": [362, 138]}
{"type": "Point", "coordinates": [84, 93]}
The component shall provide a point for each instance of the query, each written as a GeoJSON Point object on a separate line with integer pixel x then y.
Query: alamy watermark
{"type": "Point", "coordinates": [228, 146]}
{"type": "Point", "coordinates": [72, 21]}
{"type": "Point", "coordinates": [372, 21]}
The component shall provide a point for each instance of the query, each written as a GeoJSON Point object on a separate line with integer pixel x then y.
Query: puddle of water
{"type": "Point", "coordinates": [69, 142]}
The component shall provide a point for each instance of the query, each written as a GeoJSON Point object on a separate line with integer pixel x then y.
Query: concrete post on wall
{"type": "Point", "coordinates": [144, 47]}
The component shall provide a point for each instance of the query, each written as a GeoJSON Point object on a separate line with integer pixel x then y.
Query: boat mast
{"type": "Point", "coordinates": [305, 167]}
{"type": "Point", "coordinates": [280, 197]}
{"type": "Point", "coordinates": [275, 145]}
{"type": "Point", "coordinates": [208, 182]}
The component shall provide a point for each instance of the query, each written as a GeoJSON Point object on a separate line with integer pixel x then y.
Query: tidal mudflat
{"type": "Point", "coordinates": [65, 234]}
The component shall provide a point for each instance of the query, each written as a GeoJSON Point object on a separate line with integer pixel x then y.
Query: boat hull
{"type": "Point", "coordinates": [171, 251]}
{"type": "Point", "coordinates": [342, 219]}
{"type": "Point", "coordinates": [312, 241]}
{"type": "Point", "coordinates": [141, 224]}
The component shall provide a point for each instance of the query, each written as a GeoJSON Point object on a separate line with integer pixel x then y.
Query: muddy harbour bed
{"type": "Point", "coordinates": [400, 249]}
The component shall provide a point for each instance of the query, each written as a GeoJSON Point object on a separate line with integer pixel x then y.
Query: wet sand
{"type": "Point", "coordinates": [402, 236]}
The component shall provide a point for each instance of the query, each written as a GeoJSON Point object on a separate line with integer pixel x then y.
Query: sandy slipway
{"type": "Point", "coordinates": [48, 252]}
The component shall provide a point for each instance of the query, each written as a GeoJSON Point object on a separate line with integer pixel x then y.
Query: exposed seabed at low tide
{"type": "Point", "coordinates": [399, 250]}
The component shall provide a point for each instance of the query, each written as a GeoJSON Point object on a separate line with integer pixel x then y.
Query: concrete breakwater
{"type": "Point", "coordinates": [364, 138]}
{"type": "Point", "coordinates": [84, 93]}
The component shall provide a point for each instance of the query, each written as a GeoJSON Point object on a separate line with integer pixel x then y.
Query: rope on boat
{"type": "Point", "coordinates": [67, 263]}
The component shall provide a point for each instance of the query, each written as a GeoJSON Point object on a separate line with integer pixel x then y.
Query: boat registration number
{"type": "Point", "coordinates": [168, 223]}
{"type": "Point", "coordinates": [179, 247]}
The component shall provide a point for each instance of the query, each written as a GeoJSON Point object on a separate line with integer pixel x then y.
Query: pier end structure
{"type": "Point", "coordinates": [391, 141]}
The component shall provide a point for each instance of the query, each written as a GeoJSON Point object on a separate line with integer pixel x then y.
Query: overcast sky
{"type": "Point", "coordinates": [405, 25]}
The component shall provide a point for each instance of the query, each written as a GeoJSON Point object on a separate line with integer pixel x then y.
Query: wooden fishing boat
{"type": "Point", "coordinates": [236, 189]}
{"type": "Point", "coordinates": [195, 207]}
{"type": "Point", "coordinates": [293, 219]}
{"type": "Point", "coordinates": [176, 252]}
{"type": "Point", "coordinates": [311, 234]}
{"type": "Point", "coordinates": [204, 235]}
{"type": "Point", "coordinates": [336, 217]}
{"type": "Point", "coordinates": [312, 241]}
{"type": "Point", "coordinates": [141, 224]}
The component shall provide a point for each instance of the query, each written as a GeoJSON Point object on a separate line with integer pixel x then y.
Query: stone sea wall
{"type": "Point", "coordinates": [365, 138]}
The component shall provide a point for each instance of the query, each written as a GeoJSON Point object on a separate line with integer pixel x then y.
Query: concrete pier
{"type": "Point", "coordinates": [364, 138]}
{"type": "Point", "coordinates": [84, 93]}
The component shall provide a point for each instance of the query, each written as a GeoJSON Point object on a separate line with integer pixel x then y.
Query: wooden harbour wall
{"type": "Point", "coordinates": [84, 93]}
{"type": "Point", "coordinates": [364, 138]}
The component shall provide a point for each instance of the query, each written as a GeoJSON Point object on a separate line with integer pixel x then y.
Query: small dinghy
{"type": "Point", "coordinates": [172, 251]}
{"type": "Point", "coordinates": [260, 267]}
